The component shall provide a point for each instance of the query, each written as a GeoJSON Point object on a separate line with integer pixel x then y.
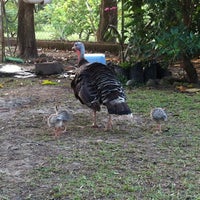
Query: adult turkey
{"type": "Point", "coordinates": [158, 115]}
{"type": "Point", "coordinates": [95, 84]}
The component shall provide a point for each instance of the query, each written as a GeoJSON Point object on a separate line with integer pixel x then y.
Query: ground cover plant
{"type": "Point", "coordinates": [132, 161]}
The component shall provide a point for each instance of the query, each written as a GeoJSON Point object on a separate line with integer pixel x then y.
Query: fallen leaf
{"type": "Point", "coordinates": [181, 88]}
{"type": "Point", "coordinates": [48, 82]}
{"type": "Point", "coordinates": [189, 90]}
{"type": "Point", "coordinates": [192, 90]}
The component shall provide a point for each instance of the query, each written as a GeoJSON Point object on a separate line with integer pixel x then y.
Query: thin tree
{"type": "Point", "coordinates": [26, 30]}
{"type": "Point", "coordinates": [187, 9]}
{"type": "Point", "coordinates": [108, 17]}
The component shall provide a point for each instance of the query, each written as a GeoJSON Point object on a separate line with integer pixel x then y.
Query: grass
{"type": "Point", "coordinates": [111, 171]}
{"type": "Point", "coordinates": [181, 106]}
{"type": "Point", "coordinates": [45, 35]}
{"type": "Point", "coordinates": [131, 164]}
{"type": "Point", "coordinates": [42, 35]}
{"type": "Point", "coordinates": [152, 167]}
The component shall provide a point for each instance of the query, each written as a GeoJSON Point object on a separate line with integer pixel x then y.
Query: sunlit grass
{"type": "Point", "coordinates": [46, 35]}
{"type": "Point", "coordinates": [43, 35]}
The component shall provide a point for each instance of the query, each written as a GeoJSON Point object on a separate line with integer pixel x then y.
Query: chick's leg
{"type": "Point", "coordinates": [159, 128]}
{"type": "Point", "coordinates": [65, 128]}
{"type": "Point", "coordinates": [94, 125]}
{"type": "Point", "coordinates": [57, 132]}
{"type": "Point", "coordinates": [109, 124]}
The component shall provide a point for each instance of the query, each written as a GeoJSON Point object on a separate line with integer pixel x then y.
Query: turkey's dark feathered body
{"type": "Point", "coordinates": [95, 84]}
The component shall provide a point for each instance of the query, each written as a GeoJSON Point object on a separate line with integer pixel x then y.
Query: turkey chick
{"type": "Point", "coordinates": [158, 115]}
{"type": "Point", "coordinates": [59, 120]}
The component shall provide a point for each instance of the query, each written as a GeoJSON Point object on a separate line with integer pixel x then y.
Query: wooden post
{"type": "Point", "coordinates": [1, 32]}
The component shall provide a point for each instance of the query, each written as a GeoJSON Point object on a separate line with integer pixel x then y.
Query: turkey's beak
{"type": "Point", "coordinates": [74, 48]}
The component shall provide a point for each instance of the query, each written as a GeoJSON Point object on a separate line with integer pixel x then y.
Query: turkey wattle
{"type": "Point", "coordinates": [158, 115]}
{"type": "Point", "coordinates": [95, 84]}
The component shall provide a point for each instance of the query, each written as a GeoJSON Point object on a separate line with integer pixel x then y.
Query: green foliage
{"type": "Point", "coordinates": [65, 18]}
{"type": "Point", "coordinates": [176, 42]}
{"type": "Point", "coordinates": [10, 18]}
{"type": "Point", "coordinates": [152, 29]}
{"type": "Point", "coordinates": [157, 29]}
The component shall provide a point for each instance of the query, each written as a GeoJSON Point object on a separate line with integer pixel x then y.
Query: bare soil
{"type": "Point", "coordinates": [28, 143]}
{"type": "Point", "coordinates": [26, 140]}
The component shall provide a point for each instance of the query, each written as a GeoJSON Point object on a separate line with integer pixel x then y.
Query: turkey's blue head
{"type": "Point", "coordinates": [80, 49]}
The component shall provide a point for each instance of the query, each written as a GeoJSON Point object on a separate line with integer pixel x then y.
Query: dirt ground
{"type": "Point", "coordinates": [26, 140]}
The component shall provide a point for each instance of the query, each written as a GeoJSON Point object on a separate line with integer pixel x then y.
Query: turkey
{"type": "Point", "coordinates": [158, 115]}
{"type": "Point", "coordinates": [58, 120]}
{"type": "Point", "coordinates": [95, 84]}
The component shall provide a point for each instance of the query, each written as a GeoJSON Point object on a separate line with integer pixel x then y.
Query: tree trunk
{"type": "Point", "coordinates": [26, 30]}
{"type": "Point", "coordinates": [187, 8]}
{"type": "Point", "coordinates": [108, 16]}
{"type": "Point", "coordinates": [189, 68]}
{"type": "Point", "coordinates": [2, 45]}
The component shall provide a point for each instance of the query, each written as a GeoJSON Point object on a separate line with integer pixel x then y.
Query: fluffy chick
{"type": "Point", "coordinates": [158, 115]}
{"type": "Point", "coordinates": [59, 120]}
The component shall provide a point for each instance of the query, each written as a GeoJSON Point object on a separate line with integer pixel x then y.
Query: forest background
{"type": "Point", "coordinates": [145, 30]}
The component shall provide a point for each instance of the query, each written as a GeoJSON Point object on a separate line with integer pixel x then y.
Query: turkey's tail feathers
{"type": "Point", "coordinates": [118, 108]}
